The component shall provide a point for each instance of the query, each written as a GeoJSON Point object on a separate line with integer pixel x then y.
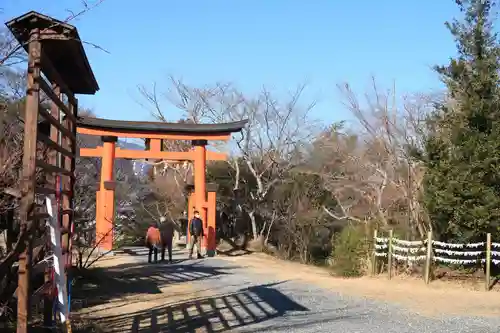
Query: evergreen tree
{"type": "Point", "coordinates": [462, 183]}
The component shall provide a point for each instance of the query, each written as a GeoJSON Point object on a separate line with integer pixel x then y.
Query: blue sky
{"type": "Point", "coordinates": [275, 43]}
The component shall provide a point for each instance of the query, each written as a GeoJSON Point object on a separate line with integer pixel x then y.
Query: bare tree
{"type": "Point", "coordinates": [167, 197]}
{"type": "Point", "coordinates": [10, 52]}
{"type": "Point", "coordinates": [300, 224]}
{"type": "Point", "coordinates": [11, 141]}
{"type": "Point", "coordinates": [376, 175]}
{"type": "Point", "coordinates": [269, 144]}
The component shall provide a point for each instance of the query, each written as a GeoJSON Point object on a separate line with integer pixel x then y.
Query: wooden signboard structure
{"type": "Point", "coordinates": [155, 132]}
{"type": "Point", "coordinates": [59, 68]}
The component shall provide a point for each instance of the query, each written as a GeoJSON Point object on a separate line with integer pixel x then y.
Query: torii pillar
{"type": "Point", "coordinates": [200, 187]}
{"type": "Point", "coordinates": [105, 197]}
{"type": "Point", "coordinates": [204, 204]}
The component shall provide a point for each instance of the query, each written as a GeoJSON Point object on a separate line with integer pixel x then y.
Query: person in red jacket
{"type": "Point", "coordinates": [153, 242]}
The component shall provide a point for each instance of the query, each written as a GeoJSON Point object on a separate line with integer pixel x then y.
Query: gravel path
{"type": "Point", "coordinates": [239, 299]}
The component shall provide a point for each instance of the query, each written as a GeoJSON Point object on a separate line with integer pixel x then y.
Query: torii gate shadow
{"type": "Point", "coordinates": [222, 313]}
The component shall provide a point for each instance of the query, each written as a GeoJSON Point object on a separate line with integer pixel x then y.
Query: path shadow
{"type": "Point", "coordinates": [143, 251]}
{"type": "Point", "coordinates": [221, 313]}
{"type": "Point", "coordinates": [99, 285]}
{"type": "Point", "coordinates": [235, 250]}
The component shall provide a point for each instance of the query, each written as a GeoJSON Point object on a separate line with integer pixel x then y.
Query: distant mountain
{"type": "Point", "coordinates": [129, 145]}
{"type": "Point", "coordinates": [139, 168]}
{"type": "Point", "coordinates": [127, 166]}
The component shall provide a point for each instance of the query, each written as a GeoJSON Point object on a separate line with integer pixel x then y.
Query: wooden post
{"type": "Point", "coordinates": [74, 150]}
{"type": "Point", "coordinates": [428, 258]}
{"type": "Point", "coordinates": [28, 181]}
{"type": "Point", "coordinates": [374, 253]}
{"type": "Point", "coordinates": [389, 255]}
{"type": "Point", "coordinates": [69, 182]}
{"type": "Point", "coordinates": [488, 263]}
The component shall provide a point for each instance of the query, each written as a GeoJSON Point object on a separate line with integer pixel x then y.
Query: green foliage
{"type": "Point", "coordinates": [462, 182]}
{"type": "Point", "coordinates": [349, 250]}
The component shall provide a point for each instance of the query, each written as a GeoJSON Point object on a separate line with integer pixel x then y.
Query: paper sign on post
{"type": "Point", "coordinates": [60, 276]}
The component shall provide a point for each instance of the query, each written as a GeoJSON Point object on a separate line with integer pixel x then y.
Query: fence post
{"type": "Point", "coordinates": [389, 255]}
{"type": "Point", "coordinates": [374, 253]}
{"type": "Point", "coordinates": [428, 258]}
{"type": "Point", "coordinates": [488, 262]}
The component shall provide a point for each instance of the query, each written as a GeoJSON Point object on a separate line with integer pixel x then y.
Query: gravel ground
{"type": "Point", "coordinates": [246, 301]}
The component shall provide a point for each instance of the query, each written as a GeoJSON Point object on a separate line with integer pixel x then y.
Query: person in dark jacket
{"type": "Point", "coordinates": [196, 234]}
{"type": "Point", "coordinates": [167, 228]}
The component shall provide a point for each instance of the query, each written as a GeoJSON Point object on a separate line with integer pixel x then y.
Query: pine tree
{"type": "Point", "coordinates": [462, 183]}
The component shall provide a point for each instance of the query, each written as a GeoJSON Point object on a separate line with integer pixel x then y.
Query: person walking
{"type": "Point", "coordinates": [167, 229]}
{"type": "Point", "coordinates": [196, 234]}
{"type": "Point", "coordinates": [153, 242]}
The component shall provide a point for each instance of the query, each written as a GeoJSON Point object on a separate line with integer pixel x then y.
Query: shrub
{"type": "Point", "coordinates": [349, 252]}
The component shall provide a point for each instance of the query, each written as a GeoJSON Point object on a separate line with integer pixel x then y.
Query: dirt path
{"type": "Point", "coordinates": [437, 298]}
{"type": "Point", "coordinates": [258, 293]}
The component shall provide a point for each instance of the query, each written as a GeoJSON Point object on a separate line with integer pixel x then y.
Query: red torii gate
{"type": "Point", "coordinates": [155, 132]}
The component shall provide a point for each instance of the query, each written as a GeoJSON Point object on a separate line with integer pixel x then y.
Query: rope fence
{"type": "Point", "coordinates": [431, 251]}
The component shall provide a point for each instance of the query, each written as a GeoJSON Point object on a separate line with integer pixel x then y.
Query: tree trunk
{"type": "Point", "coordinates": [254, 225]}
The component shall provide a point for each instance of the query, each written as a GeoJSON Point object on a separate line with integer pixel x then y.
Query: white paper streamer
{"type": "Point", "coordinates": [407, 243]}
{"type": "Point", "coordinates": [464, 261]}
{"type": "Point", "coordinates": [459, 253]}
{"type": "Point", "coordinates": [457, 245]}
{"type": "Point", "coordinates": [495, 253]}
{"type": "Point", "coordinates": [434, 242]}
{"type": "Point", "coordinates": [437, 259]}
{"type": "Point", "coordinates": [408, 258]}
{"type": "Point", "coordinates": [408, 249]}
{"type": "Point", "coordinates": [381, 246]}
{"type": "Point", "coordinates": [455, 261]}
